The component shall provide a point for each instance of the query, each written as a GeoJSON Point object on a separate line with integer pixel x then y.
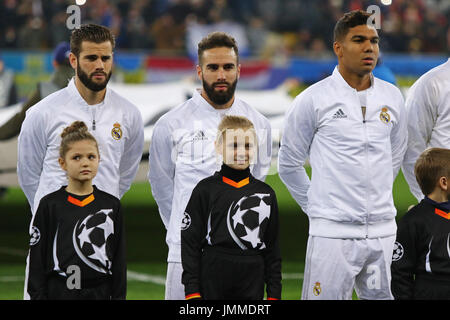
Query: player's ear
{"type": "Point", "coordinates": [199, 72]}
{"type": "Point", "coordinates": [337, 48]}
{"type": "Point", "coordinates": [73, 60]}
{"type": "Point", "coordinates": [62, 163]}
{"type": "Point", "coordinates": [443, 183]}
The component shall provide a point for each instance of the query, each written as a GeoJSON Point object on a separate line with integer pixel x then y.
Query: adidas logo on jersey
{"type": "Point", "coordinates": [199, 135]}
{"type": "Point", "coordinates": [339, 114]}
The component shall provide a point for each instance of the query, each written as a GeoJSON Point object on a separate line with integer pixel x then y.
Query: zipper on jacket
{"type": "Point", "coordinates": [93, 119]}
{"type": "Point", "coordinates": [366, 150]}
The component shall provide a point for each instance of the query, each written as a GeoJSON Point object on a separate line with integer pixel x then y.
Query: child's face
{"type": "Point", "coordinates": [238, 147]}
{"type": "Point", "coordinates": [81, 161]}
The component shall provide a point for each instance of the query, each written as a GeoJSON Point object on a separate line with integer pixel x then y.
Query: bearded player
{"type": "Point", "coordinates": [182, 150]}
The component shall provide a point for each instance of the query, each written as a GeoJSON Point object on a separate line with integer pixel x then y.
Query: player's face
{"type": "Point", "coordinates": [81, 161]}
{"type": "Point", "coordinates": [238, 148]}
{"type": "Point", "coordinates": [94, 64]}
{"type": "Point", "coordinates": [358, 51]}
{"type": "Point", "coordinates": [219, 73]}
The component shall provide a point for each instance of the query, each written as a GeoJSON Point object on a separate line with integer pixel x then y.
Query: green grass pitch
{"type": "Point", "coordinates": [146, 248]}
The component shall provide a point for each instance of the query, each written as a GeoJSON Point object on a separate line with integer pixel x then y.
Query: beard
{"type": "Point", "coordinates": [219, 97]}
{"type": "Point", "coordinates": [87, 80]}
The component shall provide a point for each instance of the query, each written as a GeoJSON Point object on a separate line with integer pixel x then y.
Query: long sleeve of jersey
{"type": "Point", "coordinates": [32, 144]}
{"type": "Point", "coordinates": [399, 138]}
{"type": "Point", "coordinates": [422, 117]}
{"type": "Point", "coordinates": [119, 267]}
{"type": "Point", "coordinates": [272, 255]}
{"type": "Point", "coordinates": [132, 154]}
{"type": "Point", "coordinates": [193, 231]}
{"type": "Point", "coordinates": [404, 260]}
{"type": "Point", "coordinates": [294, 149]}
{"type": "Point", "coordinates": [40, 245]}
{"type": "Point", "coordinates": [162, 170]}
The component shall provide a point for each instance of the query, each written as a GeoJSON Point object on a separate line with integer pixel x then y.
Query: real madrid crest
{"type": "Point", "coordinates": [384, 115]}
{"type": "Point", "coordinates": [116, 132]}
{"type": "Point", "coordinates": [317, 289]}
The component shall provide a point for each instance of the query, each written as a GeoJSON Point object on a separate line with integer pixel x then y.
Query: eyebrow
{"type": "Point", "coordinates": [365, 38]}
{"type": "Point", "coordinates": [227, 64]}
{"type": "Point", "coordinates": [90, 56]}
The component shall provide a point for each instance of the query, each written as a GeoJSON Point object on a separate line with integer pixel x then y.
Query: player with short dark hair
{"type": "Point", "coordinates": [229, 234]}
{"type": "Point", "coordinates": [352, 127]}
{"type": "Point", "coordinates": [114, 121]}
{"type": "Point", "coordinates": [421, 259]}
{"type": "Point", "coordinates": [77, 245]}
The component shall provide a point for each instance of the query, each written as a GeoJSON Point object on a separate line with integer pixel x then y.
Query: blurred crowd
{"type": "Point", "coordinates": [263, 28]}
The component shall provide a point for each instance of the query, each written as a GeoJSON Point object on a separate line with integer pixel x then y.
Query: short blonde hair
{"type": "Point", "coordinates": [234, 123]}
{"type": "Point", "coordinates": [431, 165]}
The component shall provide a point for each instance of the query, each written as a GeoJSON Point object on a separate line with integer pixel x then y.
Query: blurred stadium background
{"type": "Point", "coordinates": [285, 46]}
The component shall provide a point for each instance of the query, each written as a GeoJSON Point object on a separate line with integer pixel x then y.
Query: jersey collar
{"type": "Point", "coordinates": [75, 94]}
{"type": "Point", "coordinates": [81, 203]}
{"type": "Point", "coordinates": [442, 206]}
{"type": "Point", "coordinates": [235, 178]}
{"type": "Point", "coordinates": [337, 77]}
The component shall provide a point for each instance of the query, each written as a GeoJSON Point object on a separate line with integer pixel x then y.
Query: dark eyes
{"type": "Point", "coordinates": [93, 58]}
{"type": "Point", "coordinates": [247, 146]}
{"type": "Point", "coordinates": [90, 157]}
{"type": "Point", "coordinates": [215, 67]}
{"type": "Point", "coordinates": [360, 40]}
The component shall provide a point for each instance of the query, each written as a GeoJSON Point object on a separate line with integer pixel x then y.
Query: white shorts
{"type": "Point", "coordinates": [334, 267]}
{"type": "Point", "coordinates": [174, 287]}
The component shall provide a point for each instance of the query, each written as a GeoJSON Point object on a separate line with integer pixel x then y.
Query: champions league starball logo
{"type": "Point", "coordinates": [247, 219]}
{"type": "Point", "coordinates": [185, 221]}
{"type": "Point", "coordinates": [398, 251]}
{"type": "Point", "coordinates": [92, 240]}
{"type": "Point", "coordinates": [35, 236]}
